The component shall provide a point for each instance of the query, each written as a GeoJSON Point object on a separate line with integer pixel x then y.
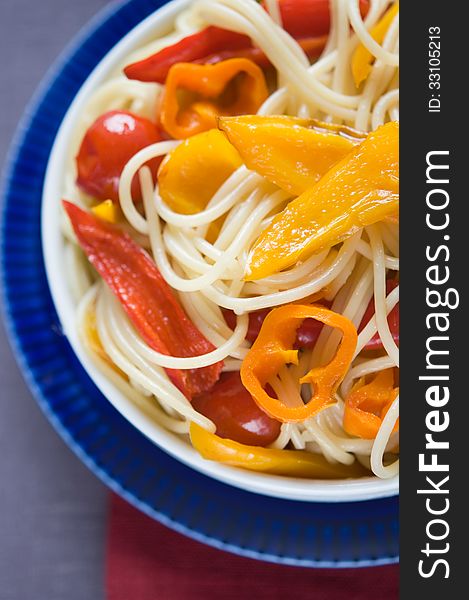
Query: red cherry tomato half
{"type": "Point", "coordinates": [109, 143]}
{"type": "Point", "coordinates": [393, 320]}
{"type": "Point", "coordinates": [306, 336]}
{"type": "Point", "coordinates": [237, 417]}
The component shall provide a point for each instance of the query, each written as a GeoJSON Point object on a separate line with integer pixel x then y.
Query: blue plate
{"type": "Point", "coordinates": [282, 531]}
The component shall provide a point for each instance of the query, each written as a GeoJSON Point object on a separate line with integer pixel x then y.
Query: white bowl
{"type": "Point", "coordinates": [53, 247]}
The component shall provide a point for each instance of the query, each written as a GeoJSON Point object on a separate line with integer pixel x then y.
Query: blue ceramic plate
{"type": "Point", "coordinates": [297, 533]}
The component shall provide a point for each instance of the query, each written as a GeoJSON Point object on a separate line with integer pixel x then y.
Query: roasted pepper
{"type": "Point", "coordinates": [359, 190]}
{"type": "Point", "coordinates": [311, 46]}
{"type": "Point", "coordinates": [210, 46]}
{"type": "Point", "coordinates": [289, 463]}
{"type": "Point", "coordinates": [302, 18]}
{"type": "Point", "coordinates": [274, 348]}
{"type": "Point", "coordinates": [362, 58]}
{"type": "Point", "coordinates": [293, 153]}
{"type": "Point", "coordinates": [145, 296]}
{"type": "Point", "coordinates": [192, 173]}
{"type": "Point", "coordinates": [107, 211]}
{"type": "Point", "coordinates": [368, 403]}
{"type": "Point", "coordinates": [308, 21]}
{"type": "Point", "coordinates": [196, 95]}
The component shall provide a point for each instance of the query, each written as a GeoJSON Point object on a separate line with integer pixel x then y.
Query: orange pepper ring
{"type": "Point", "coordinates": [272, 349]}
{"type": "Point", "coordinates": [209, 81]}
{"type": "Point", "coordinates": [367, 405]}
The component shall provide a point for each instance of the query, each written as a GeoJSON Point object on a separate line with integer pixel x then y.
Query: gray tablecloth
{"type": "Point", "coordinates": [52, 510]}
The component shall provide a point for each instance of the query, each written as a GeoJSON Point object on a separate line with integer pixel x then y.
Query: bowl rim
{"type": "Point", "coordinates": [369, 488]}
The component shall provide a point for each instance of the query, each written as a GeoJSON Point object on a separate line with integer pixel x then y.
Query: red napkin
{"type": "Point", "coordinates": [147, 561]}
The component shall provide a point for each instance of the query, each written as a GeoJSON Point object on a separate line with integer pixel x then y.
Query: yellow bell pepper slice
{"type": "Point", "coordinates": [289, 463]}
{"type": "Point", "coordinates": [362, 58]}
{"type": "Point", "coordinates": [360, 190]}
{"type": "Point", "coordinates": [107, 210]}
{"type": "Point", "coordinates": [367, 405]}
{"type": "Point", "coordinates": [293, 153]}
{"type": "Point", "coordinates": [192, 173]}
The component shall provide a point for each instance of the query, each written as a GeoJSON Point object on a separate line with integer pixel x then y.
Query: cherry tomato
{"type": "Point", "coordinates": [237, 417]}
{"type": "Point", "coordinates": [393, 320]}
{"type": "Point", "coordinates": [109, 143]}
{"type": "Point", "coordinates": [306, 336]}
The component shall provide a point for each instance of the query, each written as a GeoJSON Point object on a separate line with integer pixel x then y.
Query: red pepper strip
{"type": "Point", "coordinates": [367, 405]}
{"type": "Point", "coordinates": [312, 46]}
{"type": "Point", "coordinates": [209, 46]}
{"type": "Point", "coordinates": [306, 334]}
{"type": "Point", "coordinates": [193, 48]}
{"type": "Point", "coordinates": [305, 18]}
{"type": "Point", "coordinates": [308, 21]}
{"type": "Point", "coordinates": [146, 297]}
{"type": "Point", "coordinates": [393, 320]}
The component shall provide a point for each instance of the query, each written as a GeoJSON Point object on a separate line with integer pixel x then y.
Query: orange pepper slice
{"type": "Point", "coordinates": [362, 58]}
{"type": "Point", "coordinates": [274, 348]}
{"type": "Point", "coordinates": [290, 463]}
{"type": "Point", "coordinates": [291, 152]}
{"type": "Point", "coordinates": [361, 189]}
{"type": "Point", "coordinates": [196, 95]}
{"type": "Point", "coordinates": [191, 174]}
{"type": "Point", "coordinates": [367, 405]}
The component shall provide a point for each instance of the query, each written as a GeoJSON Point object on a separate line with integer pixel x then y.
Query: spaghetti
{"type": "Point", "coordinates": [206, 272]}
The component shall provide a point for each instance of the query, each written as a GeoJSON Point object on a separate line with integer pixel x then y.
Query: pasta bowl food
{"type": "Point", "coordinates": [213, 301]}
